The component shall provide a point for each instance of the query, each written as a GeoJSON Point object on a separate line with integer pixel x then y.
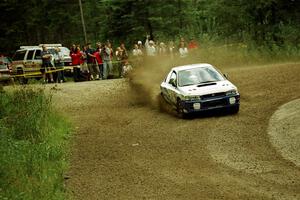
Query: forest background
{"type": "Point", "coordinates": [271, 24]}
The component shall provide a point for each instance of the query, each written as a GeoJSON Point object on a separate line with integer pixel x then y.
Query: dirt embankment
{"type": "Point", "coordinates": [125, 149]}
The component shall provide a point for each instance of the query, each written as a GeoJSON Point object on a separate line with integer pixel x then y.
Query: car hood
{"type": "Point", "coordinates": [208, 88]}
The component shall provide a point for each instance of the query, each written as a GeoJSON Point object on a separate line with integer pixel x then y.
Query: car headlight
{"type": "Point", "coordinates": [231, 92]}
{"type": "Point", "coordinates": [192, 98]}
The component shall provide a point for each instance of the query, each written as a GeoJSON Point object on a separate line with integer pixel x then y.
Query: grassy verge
{"type": "Point", "coordinates": [33, 142]}
{"type": "Point", "coordinates": [239, 54]}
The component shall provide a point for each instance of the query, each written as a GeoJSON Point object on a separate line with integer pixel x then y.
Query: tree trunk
{"type": "Point", "coordinates": [82, 21]}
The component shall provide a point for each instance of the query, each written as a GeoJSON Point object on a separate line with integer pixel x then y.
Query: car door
{"type": "Point", "coordinates": [164, 86]}
{"type": "Point", "coordinates": [37, 60]}
{"type": "Point", "coordinates": [171, 90]}
{"type": "Point", "coordinates": [28, 61]}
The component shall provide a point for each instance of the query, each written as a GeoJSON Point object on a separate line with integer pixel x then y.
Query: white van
{"type": "Point", "coordinates": [27, 61]}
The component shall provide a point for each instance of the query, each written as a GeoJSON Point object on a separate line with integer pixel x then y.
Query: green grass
{"type": "Point", "coordinates": [33, 143]}
{"type": "Point", "coordinates": [240, 54]}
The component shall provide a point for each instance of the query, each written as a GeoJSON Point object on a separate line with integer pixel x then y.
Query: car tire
{"type": "Point", "coordinates": [235, 109]}
{"type": "Point", "coordinates": [179, 110]}
{"type": "Point", "coordinates": [21, 79]}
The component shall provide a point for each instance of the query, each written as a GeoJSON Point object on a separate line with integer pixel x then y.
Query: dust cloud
{"type": "Point", "coordinates": [145, 80]}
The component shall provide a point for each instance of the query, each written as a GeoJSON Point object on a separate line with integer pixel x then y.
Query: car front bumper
{"type": "Point", "coordinates": [4, 76]}
{"type": "Point", "coordinates": [210, 104]}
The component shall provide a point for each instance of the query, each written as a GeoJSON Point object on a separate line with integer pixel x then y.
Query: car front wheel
{"type": "Point", "coordinates": [179, 109]}
{"type": "Point", "coordinates": [235, 109]}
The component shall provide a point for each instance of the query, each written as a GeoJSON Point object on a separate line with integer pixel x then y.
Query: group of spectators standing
{"type": "Point", "coordinates": [99, 63]}
{"type": "Point", "coordinates": [153, 49]}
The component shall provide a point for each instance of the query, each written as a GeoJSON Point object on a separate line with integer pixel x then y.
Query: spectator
{"type": "Point", "coordinates": [58, 60]}
{"type": "Point", "coordinates": [98, 44]}
{"type": "Point", "coordinates": [76, 61]}
{"type": "Point", "coordinates": [99, 63]}
{"type": "Point", "coordinates": [182, 39]}
{"type": "Point", "coordinates": [72, 49]}
{"type": "Point", "coordinates": [162, 49]}
{"type": "Point", "coordinates": [141, 47]}
{"type": "Point", "coordinates": [125, 54]}
{"type": "Point", "coordinates": [126, 69]}
{"type": "Point", "coordinates": [106, 58]}
{"type": "Point", "coordinates": [119, 57]}
{"type": "Point", "coordinates": [122, 46]}
{"type": "Point", "coordinates": [137, 55]}
{"type": "Point", "coordinates": [183, 51]}
{"type": "Point", "coordinates": [171, 49]}
{"type": "Point", "coordinates": [83, 61]}
{"type": "Point", "coordinates": [150, 47]}
{"type": "Point", "coordinates": [76, 56]}
{"type": "Point", "coordinates": [46, 65]}
{"type": "Point", "coordinates": [91, 62]}
{"type": "Point", "coordinates": [122, 58]}
{"type": "Point", "coordinates": [193, 44]}
{"type": "Point", "coordinates": [111, 50]}
{"type": "Point", "coordinates": [137, 52]}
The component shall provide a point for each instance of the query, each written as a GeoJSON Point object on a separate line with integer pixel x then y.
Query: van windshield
{"type": "Point", "coordinates": [19, 56]}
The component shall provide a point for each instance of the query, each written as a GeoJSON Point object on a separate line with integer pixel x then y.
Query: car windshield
{"type": "Point", "coordinates": [19, 56]}
{"type": "Point", "coordinates": [197, 76]}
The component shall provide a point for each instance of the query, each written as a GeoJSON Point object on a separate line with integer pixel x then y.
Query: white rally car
{"type": "Point", "coordinates": [199, 87]}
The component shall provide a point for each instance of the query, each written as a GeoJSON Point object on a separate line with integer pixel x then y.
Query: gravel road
{"type": "Point", "coordinates": [126, 148]}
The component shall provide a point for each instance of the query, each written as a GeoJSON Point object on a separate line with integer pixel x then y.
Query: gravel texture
{"type": "Point", "coordinates": [126, 148]}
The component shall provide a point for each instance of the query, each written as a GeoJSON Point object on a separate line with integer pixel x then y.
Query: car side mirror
{"type": "Point", "coordinates": [173, 82]}
{"type": "Point", "coordinates": [226, 76]}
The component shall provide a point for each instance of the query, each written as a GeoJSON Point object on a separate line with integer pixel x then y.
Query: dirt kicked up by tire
{"type": "Point", "coordinates": [127, 148]}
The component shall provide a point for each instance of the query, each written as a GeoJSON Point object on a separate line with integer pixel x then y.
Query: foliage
{"type": "Point", "coordinates": [32, 146]}
{"type": "Point", "coordinates": [263, 22]}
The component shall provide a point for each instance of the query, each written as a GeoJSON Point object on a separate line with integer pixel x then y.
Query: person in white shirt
{"type": "Point", "coordinates": [137, 55]}
{"type": "Point", "coordinates": [136, 52]}
{"type": "Point", "coordinates": [183, 51]}
{"type": "Point", "coordinates": [150, 47]}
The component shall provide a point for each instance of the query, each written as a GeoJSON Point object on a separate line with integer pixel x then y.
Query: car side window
{"type": "Point", "coordinates": [37, 55]}
{"type": "Point", "coordinates": [30, 55]}
{"type": "Point", "coordinates": [173, 77]}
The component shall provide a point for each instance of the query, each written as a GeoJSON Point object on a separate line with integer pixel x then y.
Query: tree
{"type": "Point", "coordinates": [263, 22]}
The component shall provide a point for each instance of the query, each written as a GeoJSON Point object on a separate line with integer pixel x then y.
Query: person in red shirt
{"type": "Point", "coordinates": [76, 56]}
{"type": "Point", "coordinates": [99, 61]}
{"type": "Point", "coordinates": [76, 61]}
{"type": "Point", "coordinates": [193, 44]}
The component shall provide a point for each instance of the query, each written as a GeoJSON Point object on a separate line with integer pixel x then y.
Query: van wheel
{"type": "Point", "coordinates": [21, 79]}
